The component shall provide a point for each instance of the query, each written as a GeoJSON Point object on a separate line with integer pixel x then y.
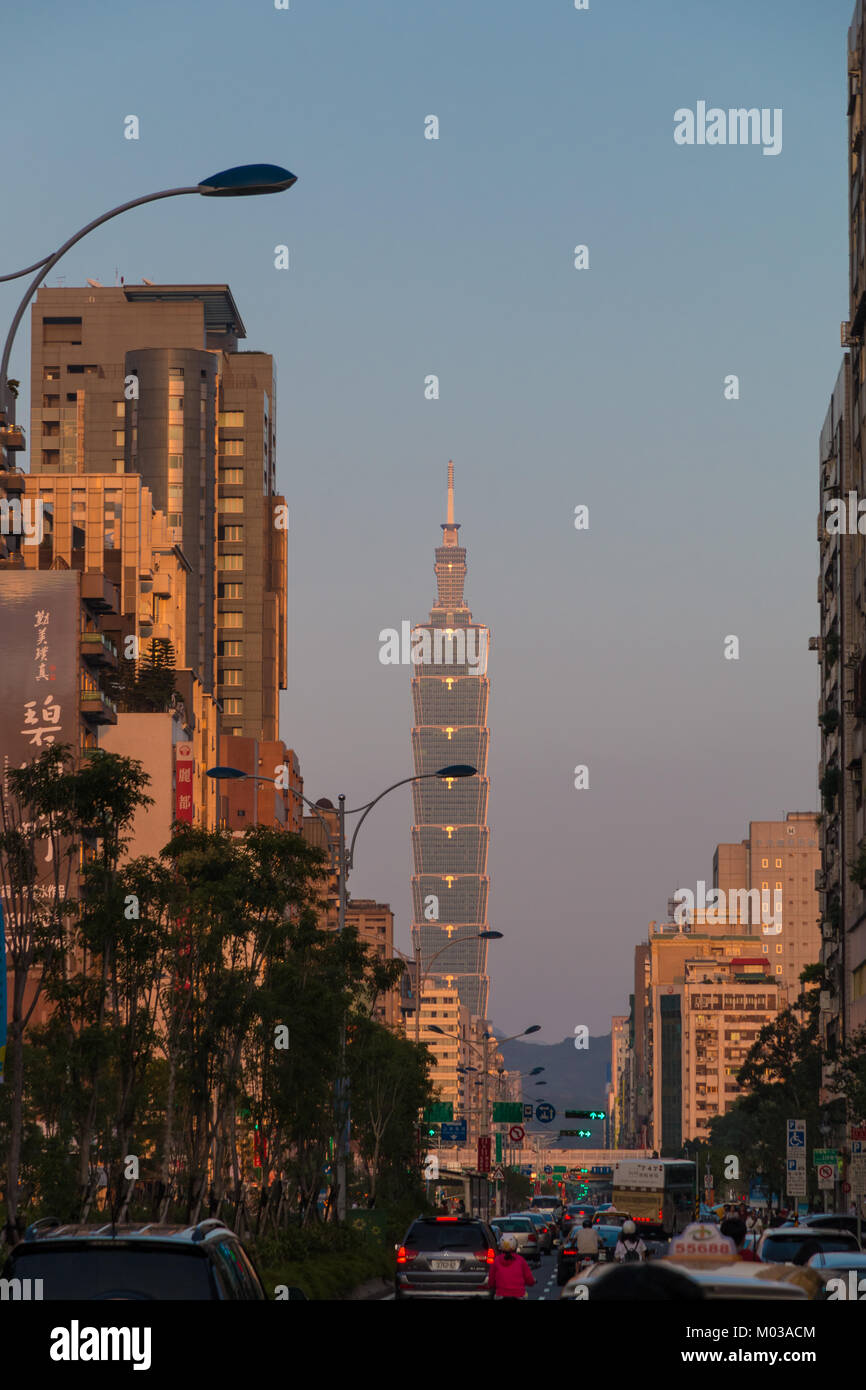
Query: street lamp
{"type": "Point", "coordinates": [244, 180]}
{"type": "Point", "coordinates": [345, 860]}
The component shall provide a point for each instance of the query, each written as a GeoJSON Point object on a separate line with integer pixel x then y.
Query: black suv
{"type": "Point", "coordinates": [206, 1261]}
{"type": "Point", "coordinates": [445, 1257]}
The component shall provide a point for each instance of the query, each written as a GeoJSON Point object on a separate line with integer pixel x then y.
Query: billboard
{"type": "Point", "coordinates": [39, 672]}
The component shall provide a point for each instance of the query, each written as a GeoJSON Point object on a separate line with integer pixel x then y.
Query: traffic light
{"type": "Point", "coordinates": [584, 1114]}
{"type": "Point", "coordinates": [432, 1131]}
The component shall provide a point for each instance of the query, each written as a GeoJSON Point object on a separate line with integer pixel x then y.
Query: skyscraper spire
{"type": "Point", "coordinates": [450, 492]}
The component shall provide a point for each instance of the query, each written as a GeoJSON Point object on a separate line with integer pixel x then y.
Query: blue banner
{"type": "Point", "coordinates": [2, 996]}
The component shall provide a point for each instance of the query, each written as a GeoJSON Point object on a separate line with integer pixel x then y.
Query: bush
{"type": "Point", "coordinates": [327, 1262]}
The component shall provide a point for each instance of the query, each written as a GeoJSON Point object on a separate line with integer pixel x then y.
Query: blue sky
{"type": "Point", "coordinates": [557, 387]}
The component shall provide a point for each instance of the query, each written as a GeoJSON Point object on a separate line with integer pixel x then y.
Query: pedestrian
{"type": "Point", "coordinates": [735, 1230]}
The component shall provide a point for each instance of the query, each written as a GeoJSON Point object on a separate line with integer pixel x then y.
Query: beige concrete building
{"type": "Point", "coordinates": [779, 857]}
{"type": "Point", "coordinates": [148, 379]}
{"type": "Point", "coordinates": [619, 1046]}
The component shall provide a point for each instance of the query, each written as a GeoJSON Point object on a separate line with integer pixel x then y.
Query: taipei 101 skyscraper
{"type": "Point", "coordinates": [450, 837]}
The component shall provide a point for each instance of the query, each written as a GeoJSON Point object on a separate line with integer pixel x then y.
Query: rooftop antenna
{"type": "Point", "coordinates": [450, 492]}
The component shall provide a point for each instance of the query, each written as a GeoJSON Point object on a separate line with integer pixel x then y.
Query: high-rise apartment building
{"type": "Point", "coordinates": [776, 865]}
{"type": "Point", "coordinates": [450, 838]}
{"type": "Point", "coordinates": [148, 379]}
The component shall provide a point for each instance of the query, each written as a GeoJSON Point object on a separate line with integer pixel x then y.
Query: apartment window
{"type": "Point", "coordinates": [230, 590]}
{"type": "Point", "coordinates": [231, 533]}
{"type": "Point", "coordinates": [175, 434]}
{"type": "Point", "coordinates": [233, 648]}
{"type": "Point", "coordinates": [231, 504]}
{"type": "Point", "coordinates": [778, 950]}
{"type": "Point", "coordinates": [765, 863]}
{"type": "Point", "coordinates": [175, 371]}
{"type": "Point", "coordinates": [51, 402]}
{"type": "Point", "coordinates": [235, 706]}
{"type": "Point", "coordinates": [175, 402]}
{"type": "Point", "coordinates": [232, 676]}
{"type": "Point", "coordinates": [231, 419]}
{"type": "Point", "coordinates": [82, 369]}
{"type": "Point", "coordinates": [778, 969]}
{"type": "Point", "coordinates": [230, 562]}
{"type": "Point", "coordinates": [175, 494]}
{"type": "Point", "coordinates": [175, 520]}
{"type": "Point", "coordinates": [778, 863]}
{"type": "Point", "coordinates": [231, 619]}
{"type": "Point", "coordinates": [231, 446]}
{"type": "Point", "coordinates": [119, 437]}
{"type": "Point", "coordinates": [231, 475]}
{"type": "Point", "coordinates": [50, 373]}
{"type": "Point", "coordinates": [765, 887]}
{"type": "Point", "coordinates": [175, 463]}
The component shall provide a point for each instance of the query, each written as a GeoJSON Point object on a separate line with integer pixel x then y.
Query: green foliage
{"type": "Point", "coordinates": [829, 720]}
{"type": "Point", "coordinates": [146, 686]}
{"type": "Point", "coordinates": [829, 785]}
{"type": "Point", "coordinates": [327, 1262]}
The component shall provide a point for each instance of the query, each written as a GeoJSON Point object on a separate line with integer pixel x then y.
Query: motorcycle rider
{"type": "Point", "coordinates": [629, 1247]}
{"type": "Point", "coordinates": [510, 1275]}
{"type": "Point", "coordinates": [588, 1241]}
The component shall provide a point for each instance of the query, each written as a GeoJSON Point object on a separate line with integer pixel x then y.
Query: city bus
{"type": "Point", "coordinates": [657, 1193]}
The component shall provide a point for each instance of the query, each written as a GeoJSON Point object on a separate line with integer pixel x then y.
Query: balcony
{"type": "Point", "coordinates": [98, 650]}
{"type": "Point", "coordinates": [100, 595]}
{"type": "Point", "coordinates": [96, 706]}
{"type": "Point", "coordinates": [162, 584]}
{"type": "Point", "coordinates": [12, 437]}
{"type": "Point", "coordinates": [13, 480]}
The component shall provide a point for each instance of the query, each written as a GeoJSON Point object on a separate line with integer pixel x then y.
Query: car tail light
{"type": "Point", "coordinates": [533, 1239]}
{"type": "Point", "coordinates": [486, 1256]}
{"type": "Point", "coordinates": [569, 1252]}
{"type": "Point", "coordinates": [404, 1255]}
{"type": "Point", "coordinates": [447, 1218]}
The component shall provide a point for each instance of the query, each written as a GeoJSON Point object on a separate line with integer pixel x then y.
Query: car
{"type": "Point", "coordinates": [550, 1204]}
{"type": "Point", "coordinates": [445, 1257]}
{"type": "Point", "coordinates": [544, 1225]}
{"type": "Point", "coordinates": [137, 1261]}
{"type": "Point", "coordinates": [717, 1279]}
{"type": "Point", "coordinates": [576, 1211]}
{"type": "Point", "coordinates": [828, 1221]}
{"type": "Point", "coordinates": [796, 1244]}
{"type": "Point", "coordinates": [524, 1231]}
{"type": "Point", "coordinates": [847, 1265]}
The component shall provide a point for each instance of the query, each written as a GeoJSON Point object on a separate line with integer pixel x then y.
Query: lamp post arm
{"type": "Point", "coordinates": [16, 274]}
{"type": "Point", "coordinates": [370, 804]}
{"type": "Point", "coordinates": [51, 261]}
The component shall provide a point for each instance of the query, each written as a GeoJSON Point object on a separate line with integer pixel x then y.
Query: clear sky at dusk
{"type": "Point", "coordinates": [603, 386]}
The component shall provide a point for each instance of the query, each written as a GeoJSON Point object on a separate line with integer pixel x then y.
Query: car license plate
{"type": "Point", "coordinates": [444, 1264]}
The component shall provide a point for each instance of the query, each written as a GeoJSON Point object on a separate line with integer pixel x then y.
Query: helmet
{"type": "Point", "coordinates": [588, 1223]}
{"type": "Point", "coordinates": [508, 1243]}
{"type": "Point", "coordinates": [629, 1228]}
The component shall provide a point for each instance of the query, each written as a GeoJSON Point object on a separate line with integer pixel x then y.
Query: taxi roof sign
{"type": "Point", "coordinates": [702, 1238]}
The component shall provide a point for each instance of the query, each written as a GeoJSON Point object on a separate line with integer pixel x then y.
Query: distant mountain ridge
{"type": "Point", "coordinates": [576, 1080]}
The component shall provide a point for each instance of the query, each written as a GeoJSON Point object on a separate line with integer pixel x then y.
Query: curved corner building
{"type": "Point", "coordinates": [450, 837]}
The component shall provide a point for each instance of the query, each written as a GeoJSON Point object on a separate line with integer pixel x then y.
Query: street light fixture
{"type": "Point", "coordinates": [243, 180]}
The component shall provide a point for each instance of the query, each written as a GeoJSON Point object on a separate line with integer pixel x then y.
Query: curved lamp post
{"type": "Point", "coordinates": [244, 180]}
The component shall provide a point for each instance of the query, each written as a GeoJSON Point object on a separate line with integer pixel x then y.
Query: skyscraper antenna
{"type": "Point", "coordinates": [450, 492]}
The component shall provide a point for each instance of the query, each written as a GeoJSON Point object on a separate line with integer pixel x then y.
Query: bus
{"type": "Point", "coordinates": [657, 1193]}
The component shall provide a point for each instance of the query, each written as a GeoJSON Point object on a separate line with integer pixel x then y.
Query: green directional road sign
{"type": "Point", "coordinates": [442, 1110]}
{"type": "Point", "coordinates": [507, 1112]}
{"type": "Point", "coordinates": [825, 1156]}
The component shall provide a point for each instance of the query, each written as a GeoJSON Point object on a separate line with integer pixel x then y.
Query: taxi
{"type": "Point", "coordinates": [711, 1259]}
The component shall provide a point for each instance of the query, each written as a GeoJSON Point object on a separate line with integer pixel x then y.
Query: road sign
{"type": "Point", "coordinates": [497, 1175]}
{"type": "Point", "coordinates": [516, 1133]}
{"type": "Point", "coordinates": [796, 1184]}
{"type": "Point", "coordinates": [857, 1174]}
{"type": "Point", "coordinates": [825, 1156]}
{"type": "Point", "coordinates": [507, 1112]}
{"type": "Point", "coordinates": [454, 1133]}
{"type": "Point", "coordinates": [826, 1176]}
{"type": "Point", "coordinates": [527, 1112]}
{"type": "Point", "coordinates": [796, 1136]}
{"type": "Point", "coordinates": [856, 1148]}
{"type": "Point", "coordinates": [846, 1187]}
{"type": "Point", "coordinates": [858, 1132]}
{"type": "Point", "coordinates": [439, 1111]}
{"type": "Point", "coordinates": [547, 1168]}
{"type": "Point", "coordinates": [484, 1153]}
{"type": "Point", "coordinates": [545, 1112]}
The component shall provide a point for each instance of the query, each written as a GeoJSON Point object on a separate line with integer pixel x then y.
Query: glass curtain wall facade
{"type": "Point", "coordinates": [450, 837]}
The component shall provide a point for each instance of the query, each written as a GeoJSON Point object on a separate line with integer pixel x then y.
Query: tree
{"type": "Point", "coordinates": [390, 1079]}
